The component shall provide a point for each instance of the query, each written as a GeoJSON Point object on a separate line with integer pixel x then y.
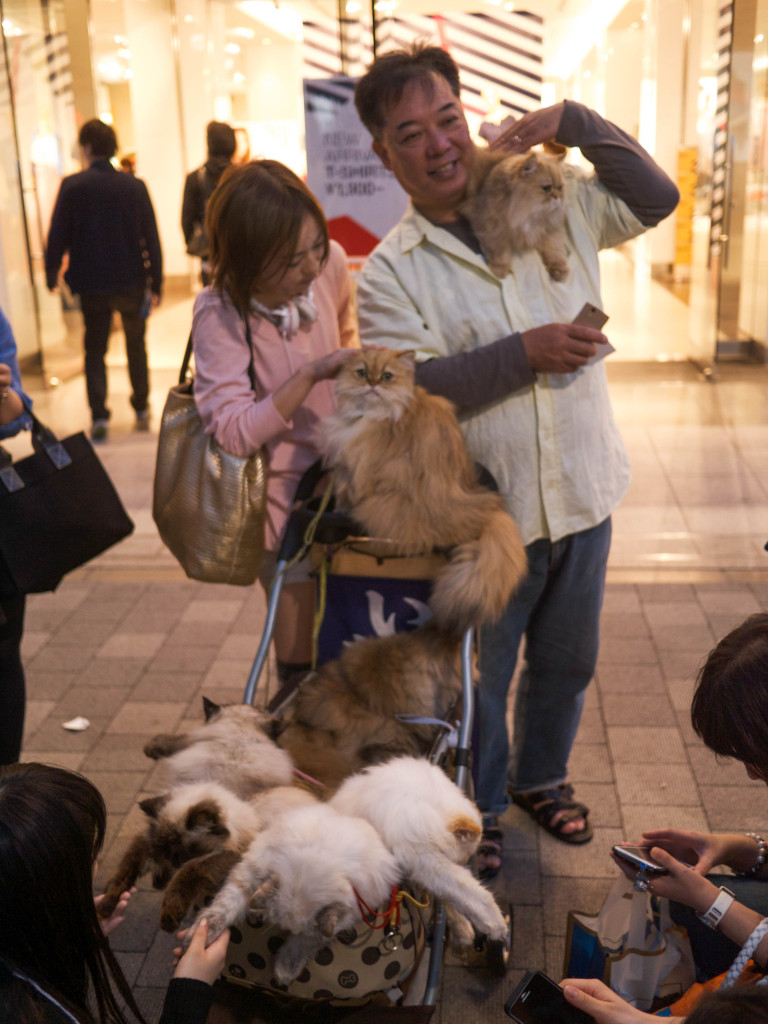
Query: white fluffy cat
{"type": "Point", "coordinates": [431, 828]}
{"type": "Point", "coordinates": [304, 873]}
{"type": "Point", "coordinates": [232, 748]}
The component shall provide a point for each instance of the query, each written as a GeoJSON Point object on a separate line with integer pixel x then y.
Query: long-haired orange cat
{"type": "Point", "coordinates": [516, 202]}
{"type": "Point", "coordinates": [402, 470]}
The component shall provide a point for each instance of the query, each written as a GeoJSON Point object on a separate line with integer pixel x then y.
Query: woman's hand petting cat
{"type": "Point", "coordinates": [596, 999]}
{"type": "Point", "coordinates": [198, 961]}
{"type": "Point", "coordinates": [328, 366]}
{"type": "Point", "coordinates": [532, 129]}
{"type": "Point", "coordinates": [117, 916]}
{"type": "Point", "coordinates": [560, 348]}
{"type": "Point", "coordinates": [290, 395]}
{"type": "Point", "coordinates": [683, 884]}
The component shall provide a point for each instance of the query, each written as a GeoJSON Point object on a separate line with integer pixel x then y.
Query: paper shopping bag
{"type": "Point", "coordinates": [632, 945]}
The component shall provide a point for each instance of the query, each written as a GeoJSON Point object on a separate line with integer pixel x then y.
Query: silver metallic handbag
{"type": "Point", "coordinates": [209, 506]}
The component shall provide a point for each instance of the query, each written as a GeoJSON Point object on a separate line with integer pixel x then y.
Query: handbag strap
{"type": "Point", "coordinates": [44, 442]}
{"type": "Point", "coordinates": [188, 355]}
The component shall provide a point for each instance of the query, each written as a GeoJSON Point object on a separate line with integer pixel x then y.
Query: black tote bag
{"type": "Point", "coordinates": [58, 509]}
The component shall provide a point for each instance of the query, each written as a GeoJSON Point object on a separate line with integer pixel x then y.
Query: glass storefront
{"type": "Point", "coordinates": [650, 66]}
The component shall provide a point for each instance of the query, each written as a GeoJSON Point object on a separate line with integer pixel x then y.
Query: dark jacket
{"type": "Point", "coordinates": [197, 191]}
{"type": "Point", "coordinates": [105, 221]}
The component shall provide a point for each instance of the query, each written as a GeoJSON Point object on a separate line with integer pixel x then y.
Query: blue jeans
{"type": "Point", "coordinates": [557, 608]}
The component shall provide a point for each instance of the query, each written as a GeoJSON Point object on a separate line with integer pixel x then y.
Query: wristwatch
{"type": "Point", "coordinates": [717, 911]}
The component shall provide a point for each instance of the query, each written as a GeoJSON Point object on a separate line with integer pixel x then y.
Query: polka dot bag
{"type": "Point", "coordinates": [378, 954]}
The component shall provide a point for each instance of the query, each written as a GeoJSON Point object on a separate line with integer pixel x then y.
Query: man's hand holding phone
{"type": "Point", "coordinates": [565, 348]}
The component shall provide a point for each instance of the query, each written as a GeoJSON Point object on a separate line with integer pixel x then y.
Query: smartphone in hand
{"type": "Point", "coordinates": [593, 316]}
{"type": "Point", "coordinates": [640, 857]}
{"type": "Point", "coordinates": [539, 1000]}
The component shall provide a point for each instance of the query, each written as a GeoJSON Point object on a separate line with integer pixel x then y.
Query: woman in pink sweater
{"type": "Point", "coordinates": [273, 262]}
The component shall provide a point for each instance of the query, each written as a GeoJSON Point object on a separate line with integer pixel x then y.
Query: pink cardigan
{"type": "Point", "coordinates": [223, 391]}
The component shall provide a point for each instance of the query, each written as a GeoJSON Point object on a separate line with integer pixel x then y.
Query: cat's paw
{"type": "Point", "coordinates": [216, 925]}
{"type": "Point", "coordinates": [110, 899]}
{"type": "Point", "coordinates": [172, 912]}
{"type": "Point", "coordinates": [499, 268]}
{"type": "Point", "coordinates": [493, 925]}
{"type": "Point", "coordinates": [288, 965]}
{"type": "Point", "coordinates": [558, 270]}
{"type": "Point", "coordinates": [158, 746]}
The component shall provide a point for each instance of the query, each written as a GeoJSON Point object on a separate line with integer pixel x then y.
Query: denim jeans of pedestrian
{"type": "Point", "coordinates": [97, 316]}
{"type": "Point", "coordinates": [557, 609]}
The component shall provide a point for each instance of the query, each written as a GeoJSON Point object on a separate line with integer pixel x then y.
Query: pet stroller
{"type": "Point", "coordinates": [366, 588]}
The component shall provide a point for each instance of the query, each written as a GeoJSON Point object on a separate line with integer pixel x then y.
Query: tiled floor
{"type": "Point", "coordinates": [131, 644]}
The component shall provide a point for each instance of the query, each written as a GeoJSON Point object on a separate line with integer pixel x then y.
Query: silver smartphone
{"type": "Point", "coordinates": [640, 857]}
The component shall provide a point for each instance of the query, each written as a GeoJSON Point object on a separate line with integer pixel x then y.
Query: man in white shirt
{"type": "Point", "coordinates": [534, 410]}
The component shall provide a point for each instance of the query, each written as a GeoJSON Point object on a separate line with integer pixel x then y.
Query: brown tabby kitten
{"type": "Point", "coordinates": [402, 470]}
{"type": "Point", "coordinates": [344, 714]}
{"type": "Point", "coordinates": [516, 202]}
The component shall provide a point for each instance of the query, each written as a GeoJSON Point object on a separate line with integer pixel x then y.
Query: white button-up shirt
{"type": "Point", "coordinates": [553, 447]}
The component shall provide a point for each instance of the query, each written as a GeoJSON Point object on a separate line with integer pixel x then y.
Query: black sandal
{"type": "Point", "coordinates": [491, 848]}
{"type": "Point", "coordinates": [545, 804]}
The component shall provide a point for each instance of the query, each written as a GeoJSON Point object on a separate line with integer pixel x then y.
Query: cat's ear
{"type": "Point", "coordinates": [210, 708]}
{"type": "Point", "coordinates": [328, 918]}
{"type": "Point", "coordinates": [408, 357]}
{"type": "Point", "coordinates": [154, 804]}
{"type": "Point", "coordinates": [274, 727]}
{"type": "Point", "coordinates": [466, 830]}
{"type": "Point", "coordinates": [530, 165]}
{"type": "Point", "coordinates": [207, 815]}
{"type": "Point", "coordinates": [261, 897]}
{"type": "Point", "coordinates": [554, 149]}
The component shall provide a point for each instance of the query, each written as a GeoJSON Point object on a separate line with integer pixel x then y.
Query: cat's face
{"type": "Point", "coordinates": [175, 838]}
{"type": "Point", "coordinates": [376, 383]}
{"type": "Point", "coordinates": [537, 180]}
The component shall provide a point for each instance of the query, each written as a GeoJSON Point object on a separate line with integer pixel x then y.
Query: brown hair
{"type": "Point", "coordinates": [100, 137]}
{"type": "Point", "coordinates": [730, 706]}
{"type": "Point", "coordinates": [747, 1004]}
{"type": "Point", "coordinates": [383, 83]}
{"type": "Point", "coordinates": [253, 222]}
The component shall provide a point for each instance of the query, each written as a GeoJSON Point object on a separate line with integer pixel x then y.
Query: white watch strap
{"type": "Point", "coordinates": [717, 911]}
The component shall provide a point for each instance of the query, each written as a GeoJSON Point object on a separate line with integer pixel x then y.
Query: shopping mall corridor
{"type": "Point", "coordinates": [131, 644]}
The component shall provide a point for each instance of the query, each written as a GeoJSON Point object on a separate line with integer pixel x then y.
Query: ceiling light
{"type": "Point", "coordinates": [232, 48]}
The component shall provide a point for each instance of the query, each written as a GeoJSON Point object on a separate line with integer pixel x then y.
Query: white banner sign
{"type": "Point", "coordinates": [360, 197]}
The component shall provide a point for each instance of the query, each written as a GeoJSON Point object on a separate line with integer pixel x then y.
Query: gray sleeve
{"type": "Point", "coordinates": [480, 376]}
{"type": "Point", "coordinates": [620, 162]}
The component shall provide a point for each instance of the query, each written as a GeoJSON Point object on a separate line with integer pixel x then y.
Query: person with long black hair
{"type": "Point", "coordinates": [56, 964]}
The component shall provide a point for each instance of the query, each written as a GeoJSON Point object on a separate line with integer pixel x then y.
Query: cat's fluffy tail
{"type": "Point", "coordinates": [480, 578]}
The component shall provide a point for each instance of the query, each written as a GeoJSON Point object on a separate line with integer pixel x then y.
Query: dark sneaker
{"type": "Point", "coordinates": [99, 431]}
{"type": "Point", "coordinates": [142, 420]}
